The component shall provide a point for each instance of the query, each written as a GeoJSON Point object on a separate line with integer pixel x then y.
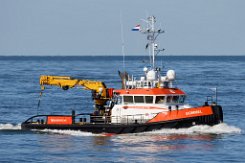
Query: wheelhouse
{"type": "Point", "coordinates": [149, 99]}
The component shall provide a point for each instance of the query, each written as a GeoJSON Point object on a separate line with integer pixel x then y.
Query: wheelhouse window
{"type": "Point", "coordinates": [128, 99]}
{"type": "Point", "coordinates": [138, 99]}
{"type": "Point", "coordinates": [118, 99]}
{"type": "Point", "coordinates": [159, 99]}
{"type": "Point", "coordinates": [169, 99]}
{"type": "Point", "coordinates": [175, 99]}
{"type": "Point", "coordinates": [182, 99]}
{"type": "Point", "coordinates": [149, 99]}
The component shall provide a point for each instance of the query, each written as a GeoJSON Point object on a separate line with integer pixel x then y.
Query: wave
{"type": "Point", "coordinates": [9, 126]}
{"type": "Point", "coordinates": [68, 132]}
{"type": "Point", "coordinates": [221, 128]}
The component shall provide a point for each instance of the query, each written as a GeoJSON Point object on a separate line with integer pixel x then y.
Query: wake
{"type": "Point", "coordinates": [9, 126]}
{"type": "Point", "coordinates": [222, 128]}
{"type": "Point", "coordinates": [68, 132]}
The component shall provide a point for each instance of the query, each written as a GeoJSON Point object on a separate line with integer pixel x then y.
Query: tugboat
{"type": "Point", "coordinates": [151, 103]}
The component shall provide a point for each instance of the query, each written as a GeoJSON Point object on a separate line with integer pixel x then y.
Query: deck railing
{"type": "Point", "coordinates": [95, 119]}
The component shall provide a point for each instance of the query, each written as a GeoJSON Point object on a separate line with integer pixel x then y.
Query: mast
{"type": "Point", "coordinates": [152, 34]}
{"type": "Point", "coordinates": [153, 77]}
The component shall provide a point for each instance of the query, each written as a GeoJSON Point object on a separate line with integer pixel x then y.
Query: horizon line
{"type": "Point", "coordinates": [99, 55]}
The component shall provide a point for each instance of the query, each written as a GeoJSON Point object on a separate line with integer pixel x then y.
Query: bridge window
{"type": "Point", "coordinates": [149, 99]}
{"type": "Point", "coordinates": [159, 99]}
{"type": "Point", "coordinates": [138, 99]}
{"type": "Point", "coordinates": [128, 99]}
{"type": "Point", "coordinates": [169, 99]}
{"type": "Point", "coordinates": [175, 99]}
{"type": "Point", "coordinates": [182, 99]}
{"type": "Point", "coordinates": [118, 99]}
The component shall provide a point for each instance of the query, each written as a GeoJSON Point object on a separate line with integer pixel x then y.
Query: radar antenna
{"type": "Point", "coordinates": [152, 35]}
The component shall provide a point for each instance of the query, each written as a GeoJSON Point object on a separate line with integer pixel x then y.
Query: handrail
{"type": "Point", "coordinates": [98, 119]}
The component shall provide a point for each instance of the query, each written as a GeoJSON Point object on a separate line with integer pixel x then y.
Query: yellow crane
{"type": "Point", "coordinates": [100, 93]}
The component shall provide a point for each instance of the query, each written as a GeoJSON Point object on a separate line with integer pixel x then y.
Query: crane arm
{"type": "Point", "coordinates": [66, 82]}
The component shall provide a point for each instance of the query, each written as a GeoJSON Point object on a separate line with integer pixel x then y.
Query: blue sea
{"type": "Point", "coordinates": [196, 75]}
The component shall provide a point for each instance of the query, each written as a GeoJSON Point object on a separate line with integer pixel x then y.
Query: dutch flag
{"type": "Point", "coordinates": [136, 28]}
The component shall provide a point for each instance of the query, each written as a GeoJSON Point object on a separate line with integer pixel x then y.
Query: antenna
{"type": "Point", "coordinates": [122, 39]}
{"type": "Point", "coordinates": [152, 35]}
{"type": "Point", "coordinates": [123, 49]}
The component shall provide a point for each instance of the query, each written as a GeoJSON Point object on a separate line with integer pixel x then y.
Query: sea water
{"type": "Point", "coordinates": [197, 76]}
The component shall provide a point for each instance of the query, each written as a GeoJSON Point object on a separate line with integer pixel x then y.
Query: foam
{"type": "Point", "coordinates": [68, 132]}
{"type": "Point", "coordinates": [9, 126]}
{"type": "Point", "coordinates": [221, 128]}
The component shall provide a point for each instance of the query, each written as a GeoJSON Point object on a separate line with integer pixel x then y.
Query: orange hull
{"type": "Point", "coordinates": [206, 115]}
{"type": "Point", "coordinates": [182, 114]}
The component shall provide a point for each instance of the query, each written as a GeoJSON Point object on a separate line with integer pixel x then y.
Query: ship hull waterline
{"type": "Point", "coordinates": [215, 118]}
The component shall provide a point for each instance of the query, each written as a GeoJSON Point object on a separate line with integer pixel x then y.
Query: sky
{"type": "Point", "coordinates": [92, 27]}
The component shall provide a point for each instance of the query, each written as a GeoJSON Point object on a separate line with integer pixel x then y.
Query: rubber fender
{"type": "Point", "coordinates": [218, 111]}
